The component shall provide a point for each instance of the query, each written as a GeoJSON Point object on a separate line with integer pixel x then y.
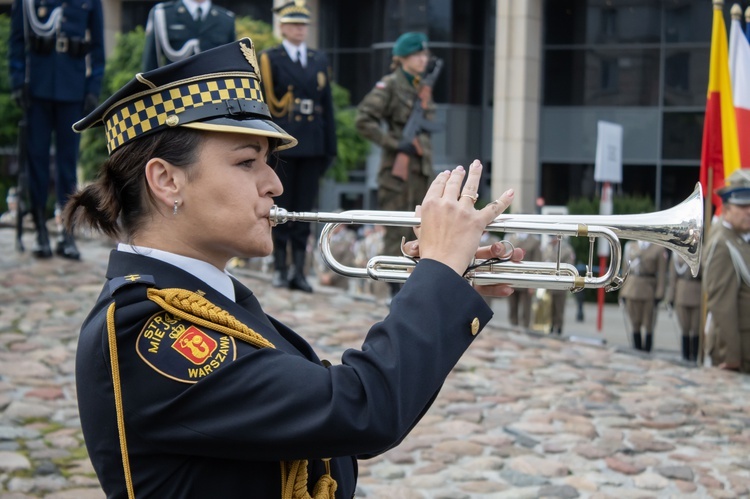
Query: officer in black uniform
{"type": "Point", "coordinates": [186, 388]}
{"type": "Point", "coordinates": [296, 83]}
{"type": "Point", "coordinates": [181, 28]}
{"type": "Point", "coordinates": [56, 69]}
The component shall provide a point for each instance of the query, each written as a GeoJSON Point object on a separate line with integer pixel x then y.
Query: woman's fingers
{"type": "Point", "coordinates": [503, 250]}
{"type": "Point", "coordinates": [469, 192]}
{"type": "Point", "coordinates": [495, 208]}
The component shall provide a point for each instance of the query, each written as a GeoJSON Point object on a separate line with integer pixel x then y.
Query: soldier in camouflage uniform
{"type": "Point", "coordinates": [391, 101]}
{"type": "Point", "coordinates": [558, 296]}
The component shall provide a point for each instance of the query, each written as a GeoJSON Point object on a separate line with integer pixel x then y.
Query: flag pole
{"type": "Point", "coordinates": [707, 216]}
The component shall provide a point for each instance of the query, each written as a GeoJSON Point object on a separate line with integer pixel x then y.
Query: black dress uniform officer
{"type": "Point", "coordinates": [56, 70]}
{"type": "Point", "coordinates": [186, 388]}
{"type": "Point", "coordinates": [296, 82]}
{"type": "Point", "coordinates": [181, 28]}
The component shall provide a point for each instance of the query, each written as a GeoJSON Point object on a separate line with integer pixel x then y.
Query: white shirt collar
{"type": "Point", "coordinates": [217, 279]}
{"type": "Point", "coordinates": [292, 50]}
{"type": "Point", "coordinates": [192, 7]}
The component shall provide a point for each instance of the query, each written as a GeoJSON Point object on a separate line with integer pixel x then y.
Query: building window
{"type": "Point", "coordinates": [601, 77]}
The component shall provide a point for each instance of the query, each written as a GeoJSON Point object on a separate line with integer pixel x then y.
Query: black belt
{"type": "Point", "coordinates": [306, 107]}
{"type": "Point", "coordinates": [73, 46]}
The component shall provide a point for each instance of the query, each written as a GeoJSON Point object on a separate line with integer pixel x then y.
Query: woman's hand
{"type": "Point", "coordinates": [451, 227]}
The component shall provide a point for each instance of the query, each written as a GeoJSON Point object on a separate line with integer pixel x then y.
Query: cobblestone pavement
{"type": "Point", "coordinates": [522, 415]}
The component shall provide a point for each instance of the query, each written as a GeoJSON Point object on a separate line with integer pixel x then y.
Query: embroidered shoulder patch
{"type": "Point", "coordinates": [381, 84]}
{"type": "Point", "coordinates": [182, 351]}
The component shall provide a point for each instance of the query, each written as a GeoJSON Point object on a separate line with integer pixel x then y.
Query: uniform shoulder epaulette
{"type": "Point", "coordinates": [128, 280]}
{"type": "Point", "coordinates": [224, 11]}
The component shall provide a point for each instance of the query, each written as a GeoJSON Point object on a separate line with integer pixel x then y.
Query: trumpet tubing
{"type": "Point", "coordinates": [679, 229]}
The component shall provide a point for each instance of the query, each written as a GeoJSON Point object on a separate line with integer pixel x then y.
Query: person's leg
{"type": "Point", "coordinates": [513, 307]}
{"type": "Point", "coordinates": [695, 324]}
{"type": "Point", "coordinates": [66, 161]}
{"type": "Point", "coordinates": [393, 200]}
{"type": "Point", "coordinates": [525, 300]}
{"type": "Point", "coordinates": [649, 318]}
{"type": "Point", "coordinates": [683, 319]}
{"type": "Point", "coordinates": [305, 180]}
{"type": "Point", "coordinates": [558, 310]}
{"type": "Point", "coordinates": [635, 313]}
{"type": "Point", "coordinates": [281, 233]}
{"type": "Point", "coordinates": [38, 136]}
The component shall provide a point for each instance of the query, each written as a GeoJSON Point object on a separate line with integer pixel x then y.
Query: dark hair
{"type": "Point", "coordinates": [117, 201]}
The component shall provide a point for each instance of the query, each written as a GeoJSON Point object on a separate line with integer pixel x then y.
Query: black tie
{"type": "Point", "coordinates": [299, 57]}
{"type": "Point", "coordinates": [199, 15]}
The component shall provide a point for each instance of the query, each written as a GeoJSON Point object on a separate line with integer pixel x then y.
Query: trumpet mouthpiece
{"type": "Point", "coordinates": [278, 216]}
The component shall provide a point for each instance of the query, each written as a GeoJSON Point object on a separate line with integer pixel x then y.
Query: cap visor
{"type": "Point", "coordinates": [261, 127]}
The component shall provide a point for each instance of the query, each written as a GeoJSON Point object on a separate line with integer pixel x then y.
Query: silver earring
{"type": "Point", "coordinates": [174, 210]}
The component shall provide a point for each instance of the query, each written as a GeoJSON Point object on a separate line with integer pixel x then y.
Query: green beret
{"type": "Point", "coordinates": [408, 43]}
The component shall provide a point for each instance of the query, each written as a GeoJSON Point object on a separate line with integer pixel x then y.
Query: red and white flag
{"type": "Point", "coordinates": [739, 69]}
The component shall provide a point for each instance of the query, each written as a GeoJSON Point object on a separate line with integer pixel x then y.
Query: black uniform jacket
{"type": "Point", "coordinates": [315, 128]}
{"type": "Point", "coordinates": [56, 66]}
{"type": "Point", "coordinates": [219, 428]}
{"type": "Point", "coordinates": [215, 30]}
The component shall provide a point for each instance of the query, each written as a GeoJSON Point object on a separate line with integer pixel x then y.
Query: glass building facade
{"type": "Point", "coordinates": [640, 63]}
{"type": "Point", "coordinates": [358, 37]}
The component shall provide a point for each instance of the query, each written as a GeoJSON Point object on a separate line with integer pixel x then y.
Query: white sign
{"type": "Point", "coordinates": [608, 165]}
{"type": "Point", "coordinates": [605, 208]}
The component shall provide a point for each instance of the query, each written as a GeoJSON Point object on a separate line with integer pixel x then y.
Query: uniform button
{"type": "Point", "coordinates": [475, 326]}
{"type": "Point", "coordinates": [298, 118]}
{"type": "Point", "coordinates": [310, 118]}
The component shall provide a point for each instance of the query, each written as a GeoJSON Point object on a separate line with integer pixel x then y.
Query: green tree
{"type": "Point", "coordinates": [122, 64]}
{"type": "Point", "coordinates": [8, 110]}
{"type": "Point", "coordinates": [261, 33]}
{"type": "Point", "coordinates": [352, 148]}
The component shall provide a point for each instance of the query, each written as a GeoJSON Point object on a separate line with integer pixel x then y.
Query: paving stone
{"type": "Point", "coordinates": [523, 415]}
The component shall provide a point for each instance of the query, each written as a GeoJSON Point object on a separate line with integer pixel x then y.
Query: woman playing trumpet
{"type": "Point", "coordinates": [186, 388]}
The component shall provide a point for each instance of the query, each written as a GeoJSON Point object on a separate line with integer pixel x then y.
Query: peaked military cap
{"type": "Point", "coordinates": [737, 188]}
{"type": "Point", "coordinates": [408, 43]}
{"type": "Point", "coordinates": [293, 12]}
{"type": "Point", "coordinates": [216, 90]}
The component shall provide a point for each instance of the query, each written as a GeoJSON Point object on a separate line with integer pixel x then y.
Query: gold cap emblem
{"type": "Point", "coordinates": [249, 53]}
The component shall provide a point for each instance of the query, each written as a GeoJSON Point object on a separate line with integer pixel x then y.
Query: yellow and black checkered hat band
{"type": "Point", "coordinates": [150, 112]}
{"type": "Point", "coordinates": [294, 14]}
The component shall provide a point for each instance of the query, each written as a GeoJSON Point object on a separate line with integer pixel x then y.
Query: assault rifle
{"type": "Point", "coordinates": [417, 123]}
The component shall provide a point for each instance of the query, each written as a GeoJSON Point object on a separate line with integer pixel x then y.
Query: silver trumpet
{"type": "Point", "coordinates": [679, 229]}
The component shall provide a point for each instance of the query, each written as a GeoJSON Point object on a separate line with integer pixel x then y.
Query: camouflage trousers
{"type": "Point", "coordinates": [405, 199]}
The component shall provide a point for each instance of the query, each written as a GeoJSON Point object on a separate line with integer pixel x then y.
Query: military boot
{"type": "Point", "coordinates": [41, 248]}
{"type": "Point", "coordinates": [298, 281]}
{"type": "Point", "coordinates": [637, 340]}
{"type": "Point", "coordinates": [649, 342]}
{"type": "Point", "coordinates": [685, 347]}
{"type": "Point", "coordinates": [66, 246]}
{"type": "Point", "coordinates": [694, 344]}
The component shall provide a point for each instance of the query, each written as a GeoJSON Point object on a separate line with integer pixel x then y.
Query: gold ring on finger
{"type": "Point", "coordinates": [473, 197]}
